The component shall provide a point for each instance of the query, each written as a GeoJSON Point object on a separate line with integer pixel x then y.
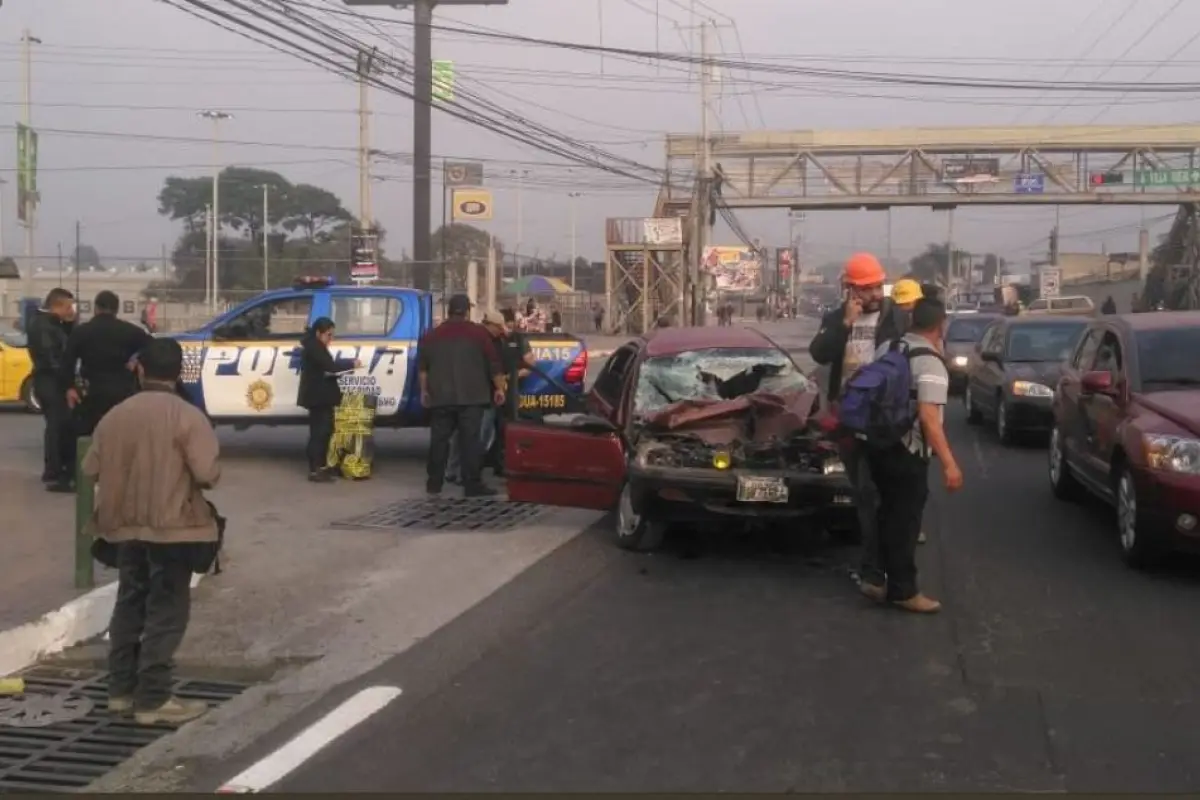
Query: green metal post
{"type": "Point", "coordinates": [85, 500]}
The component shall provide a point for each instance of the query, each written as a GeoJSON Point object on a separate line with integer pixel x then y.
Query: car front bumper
{"type": "Point", "coordinates": [1030, 414]}
{"type": "Point", "coordinates": [1169, 505]}
{"type": "Point", "coordinates": [699, 495]}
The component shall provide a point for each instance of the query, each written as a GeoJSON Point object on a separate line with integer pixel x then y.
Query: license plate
{"type": "Point", "coordinates": [761, 490]}
{"type": "Point", "coordinates": [542, 402]}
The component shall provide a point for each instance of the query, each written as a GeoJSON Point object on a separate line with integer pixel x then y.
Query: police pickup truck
{"type": "Point", "coordinates": [243, 368]}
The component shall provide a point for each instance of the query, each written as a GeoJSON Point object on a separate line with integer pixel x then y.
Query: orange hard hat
{"type": "Point", "coordinates": [864, 269]}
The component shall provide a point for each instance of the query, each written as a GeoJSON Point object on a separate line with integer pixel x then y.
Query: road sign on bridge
{"type": "Point", "coordinates": [1166, 177]}
{"type": "Point", "coordinates": [1029, 183]}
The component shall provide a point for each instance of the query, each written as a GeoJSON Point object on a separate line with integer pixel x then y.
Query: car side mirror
{"type": "Point", "coordinates": [992, 357]}
{"type": "Point", "coordinates": [1098, 382]}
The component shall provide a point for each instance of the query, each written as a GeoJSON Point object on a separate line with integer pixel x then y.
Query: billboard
{"type": "Point", "coordinates": [784, 263]}
{"type": "Point", "coordinates": [471, 205]}
{"type": "Point", "coordinates": [970, 170]}
{"type": "Point", "coordinates": [734, 269]}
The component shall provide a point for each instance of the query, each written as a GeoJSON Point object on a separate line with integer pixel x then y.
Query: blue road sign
{"type": "Point", "coordinates": [1029, 183]}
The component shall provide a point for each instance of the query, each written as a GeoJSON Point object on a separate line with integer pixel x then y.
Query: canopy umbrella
{"type": "Point", "coordinates": [537, 284]}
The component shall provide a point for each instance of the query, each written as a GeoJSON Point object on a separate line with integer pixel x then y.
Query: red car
{"type": "Point", "coordinates": [1127, 429]}
{"type": "Point", "coordinates": [688, 425]}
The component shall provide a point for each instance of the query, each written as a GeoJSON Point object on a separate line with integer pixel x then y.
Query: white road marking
{"type": "Point", "coordinates": [978, 448]}
{"type": "Point", "coordinates": [311, 740]}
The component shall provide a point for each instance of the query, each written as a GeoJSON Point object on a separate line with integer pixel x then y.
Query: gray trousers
{"type": "Point", "coordinates": [487, 433]}
{"type": "Point", "coordinates": [866, 500]}
{"type": "Point", "coordinates": [148, 621]}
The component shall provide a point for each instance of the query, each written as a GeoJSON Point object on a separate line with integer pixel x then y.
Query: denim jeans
{"type": "Point", "coordinates": [487, 433]}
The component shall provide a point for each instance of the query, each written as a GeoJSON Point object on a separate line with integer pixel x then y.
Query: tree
{"type": "Point", "coordinates": [313, 210]}
{"type": "Point", "coordinates": [463, 243]}
{"type": "Point", "coordinates": [85, 257]}
{"type": "Point", "coordinates": [242, 199]}
{"type": "Point", "coordinates": [185, 199]}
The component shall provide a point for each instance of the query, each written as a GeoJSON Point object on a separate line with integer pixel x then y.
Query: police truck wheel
{"type": "Point", "coordinates": [28, 398]}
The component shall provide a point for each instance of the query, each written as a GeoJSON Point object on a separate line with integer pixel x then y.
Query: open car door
{"type": "Point", "coordinates": [573, 460]}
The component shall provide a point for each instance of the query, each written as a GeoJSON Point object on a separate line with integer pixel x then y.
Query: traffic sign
{"type": "Point", "coordinates": [1166, 177]}
{"type": "Point", "coordinates": [1050, 280]}
{"type": "Point", "coordinates": [1029, 183]}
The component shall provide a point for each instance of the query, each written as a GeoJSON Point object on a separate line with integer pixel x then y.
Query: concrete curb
{"type": "Point", "coordinates": [83, 618]}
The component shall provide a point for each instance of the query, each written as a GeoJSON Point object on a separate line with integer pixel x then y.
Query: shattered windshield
{"type": "Point", "coordinates": [715, 374]}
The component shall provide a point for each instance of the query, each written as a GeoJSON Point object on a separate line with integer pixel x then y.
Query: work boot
{"type": "Point", "coordinates": [121, 706]}
{"type": "Point", "coordinates": [175, 711]}
{"type": "Point", "coordinates": [320, 476]}
{"type": "Point", "coordinates": [433, 487]}
{"type": "Point", "coordinates": [919, 604]}
{"type": "Point", "coordinates": [61, 487]}
{"type": "Point", "coordinates": [481, 490]}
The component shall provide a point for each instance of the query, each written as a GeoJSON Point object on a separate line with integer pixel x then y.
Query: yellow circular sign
{"type": "Point", "coordinates": [259, 395]}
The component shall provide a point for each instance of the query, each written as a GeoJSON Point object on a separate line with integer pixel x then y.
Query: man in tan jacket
{"type": "Point", "coordinates": [151, 457]}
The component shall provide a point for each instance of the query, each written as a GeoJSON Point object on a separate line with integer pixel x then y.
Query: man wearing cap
{"type": "Point", "coordinates": [490, 429]}
{"type": "Point", "coordinates": [461, 378]}
{"type": "Point", "coordinates": [848, 338]}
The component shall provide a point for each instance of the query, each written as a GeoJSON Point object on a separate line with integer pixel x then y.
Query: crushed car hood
{"type": "Point", "coordinates": [757, 417]}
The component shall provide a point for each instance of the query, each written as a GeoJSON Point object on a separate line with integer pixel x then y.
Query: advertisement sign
{"type": "Point", "coordinates": [471, 205]}
{"type": "Point", "coordinates": [970, 170]}
{"type": "Point", "coordinates": [663, 231]}
{"type": "Point", "coordinates": [1050, 280]}
{"type": "Point", "coordinates": [784, 262]}
{"type": "Point", "coordinates": [364, 258]}
{"type": "Point", "coordinates": [462, 173]}
{"type": "Point", "coordinates": [734, 269]}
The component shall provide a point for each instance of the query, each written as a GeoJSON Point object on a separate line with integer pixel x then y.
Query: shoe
{"type": "Point", "coordinates": [919, 604]}
{"type": "Point", "coordinates": [480, 491]}
{"type": "Point", "coordinates": [59, 487]}
{"type": "Point", "coordinates": [921, 538]}
{"type": "Point", "coordinates": [121, 706]}
{"type": "Point", "coordinates": [873, 592]}
{"type": "Point", "coordinates": [175, 711]}
{"type": "Point", "coordinates": [320, 476]}
{"type": "Point", "coordinates": [433, 488]}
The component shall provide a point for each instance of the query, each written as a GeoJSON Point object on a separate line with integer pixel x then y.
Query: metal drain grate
{"type": "Point", "coordinates": [445, 514]}
{"type": "Point", "coordinates": [68, 755]}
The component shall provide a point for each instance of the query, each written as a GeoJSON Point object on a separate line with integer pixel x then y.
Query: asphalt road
{"type": "Point", "coordinates": [740, 665]}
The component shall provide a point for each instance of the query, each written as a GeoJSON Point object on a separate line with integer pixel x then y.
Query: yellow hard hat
{"type": "Point", "coordinates": [906, 291]}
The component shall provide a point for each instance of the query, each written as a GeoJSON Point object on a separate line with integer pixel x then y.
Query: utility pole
{"type": "Point", "coordinates": [574, 235]}
{"type": "Point", "coordinates": [365, 63]}
{"type": "Point", "coordinates": [78, 247]}
{"type": "Point", "coordinates": [30, 200]}
{"type": "Point", "coordinates": [521, 175]}
{"type": "Point", "coordinates": [60, 264]}
{"type": "Point", "coordinates": [217, 117]}
{"type": "Point", "coordinates": [266, 241]}
{"type": "Point", "coordinates": [950, 253]}
{"type": "Point", "coordinates": [702, 185]}
{"type": "Point", "coordinates": [208, 254]}
{"type": "Point", "coordinates": [889, 235]}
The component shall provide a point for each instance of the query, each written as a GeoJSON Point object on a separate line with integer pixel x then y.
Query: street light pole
{"type": "Point", "coordinates": [266, 221]}
{"type": "Point", "coordinates": [574, 236]}
{"type": "Point", "coordinates": [520, 175]}
{"type": "Point", "coordinates": [216, 117]}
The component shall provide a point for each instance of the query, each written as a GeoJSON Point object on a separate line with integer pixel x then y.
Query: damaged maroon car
{"type": "Point", "coordinates": [689, 426]}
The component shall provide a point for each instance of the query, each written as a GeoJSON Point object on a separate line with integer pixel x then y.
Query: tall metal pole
{"type": "Point", "coordinates": [78, 246]}
{"type": "Point", "coordinates": [574, 236]}
{"type": "Point", "coordinates": [27, 42]}
{"type": "Point", "coordinates": [702, 184]}
{"type": "Point", "coordinates": [950, 253]}
{"type": "Point", "coordinates": [208, 251]}
{"type": "Point", "coordinates": [520, 216]}
{"type": "Point", "coordinates": [215, 232]}
{"type": "Point", "coordinates": [266, 222]}
{"type": "Point", "coordinates": [422, 141]}
{"type": "Point", "coordinates": [364, 141]}
{"type": "Point", "coordinates": [60, 264]}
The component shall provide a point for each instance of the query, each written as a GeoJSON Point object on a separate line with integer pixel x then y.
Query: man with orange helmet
{"type": "Point", "coordinates": [848, 338]}
{"type": "Point", "coordinates": [851, 333]}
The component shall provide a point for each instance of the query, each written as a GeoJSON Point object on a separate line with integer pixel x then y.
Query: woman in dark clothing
{"type": "Point", "coordinates": [320, 393]}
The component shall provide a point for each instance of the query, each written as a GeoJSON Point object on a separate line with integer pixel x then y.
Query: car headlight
{"type": "Point", "coordinates": [960, 361]}
{"type": "Point", "coordinates": [1031, 389]}
{"type": "Point", "coordinates": [1172, 453]}
{"type": "Point", "coordinates": [833, 466]}
{"type": "Point", "coordinates": [656, 454]}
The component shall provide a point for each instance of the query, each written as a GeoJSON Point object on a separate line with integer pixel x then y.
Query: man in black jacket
{"type": "Point", "coordinates": [47, 332]}
{"type": "Point", "coordinates": [848, 338]}
{"type": "Point", "coordinates": [104, 348]}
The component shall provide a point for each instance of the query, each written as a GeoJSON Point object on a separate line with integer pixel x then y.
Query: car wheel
{"type": "Point", "coordinates": [973, 415]}
{"type": "Point", "coordinates": [28, 398]}
{"type": "Point", "coordinates": [1138, 548]}
{"type": "Point", "coordinates": [632, 531]}
{"type": "Point", "coordinates": [1003, 432]}
{"type": "Point", "coordinates": [1062, 482]}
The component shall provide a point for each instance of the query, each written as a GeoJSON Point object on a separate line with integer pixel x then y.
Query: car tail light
{"type": "Point", "coordinates": [578, 369]}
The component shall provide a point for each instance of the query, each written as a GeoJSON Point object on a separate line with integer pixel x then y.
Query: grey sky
{"type": "Point", "coordinates": [154, 66]}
